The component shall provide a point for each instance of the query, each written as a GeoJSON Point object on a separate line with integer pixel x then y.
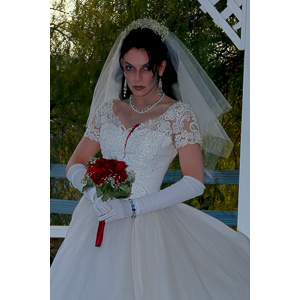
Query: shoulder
{"type": "Point", "coordinates": [182, 106]}
{"type": "Point", "coordinates": [180, 109]}
{"type": "Point", "coordinates": [167, 101]}
{"type": "Point", "coordinates": [105, 107]}
{"type": "Point", "coordinates": [119, 104]}
{"type": "Point", "coordinates": [176, 104]}
{"type": "Point", "coordinates": [101, 112]}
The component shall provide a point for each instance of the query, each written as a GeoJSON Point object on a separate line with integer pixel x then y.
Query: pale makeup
{"type": "Point", "coordinates": [139, 77]}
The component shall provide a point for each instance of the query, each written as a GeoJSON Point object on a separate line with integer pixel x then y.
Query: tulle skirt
{"type": "Point", "coordinates": [178, 253]}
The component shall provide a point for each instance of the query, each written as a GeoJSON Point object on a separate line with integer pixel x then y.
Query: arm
{"type": "Point", "coordinates": [75, 169]}
{"type": "Point", "coordinates": [191, 162]}
{"type": "Point", "coordinates": [86, 149]}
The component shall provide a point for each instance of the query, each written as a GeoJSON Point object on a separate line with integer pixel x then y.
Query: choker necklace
{"type": "Point", "coordinates": [141, 111]}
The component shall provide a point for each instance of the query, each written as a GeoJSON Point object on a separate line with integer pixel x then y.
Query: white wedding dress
{"type": "Point", "coordinates": [177, 253]}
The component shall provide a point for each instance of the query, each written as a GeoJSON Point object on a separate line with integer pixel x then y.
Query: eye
{"type": "Point", "coordinates": [128, 68]}
{"type": "Point", "coordinates": [146, 68]}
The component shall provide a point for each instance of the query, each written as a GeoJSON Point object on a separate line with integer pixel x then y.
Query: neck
{"type": "Point", "coordinates": [142, 111]}
{"type": "Point", "coordinates": [146, 100]}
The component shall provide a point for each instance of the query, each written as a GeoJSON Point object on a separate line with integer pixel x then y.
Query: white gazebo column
{"type": "Point", "coordinates": [243, 223]}
{"type": "Point", "coordinates": [241, 9]}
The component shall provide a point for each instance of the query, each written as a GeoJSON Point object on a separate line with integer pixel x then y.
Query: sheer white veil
{"type": "Point", "coordinates": [194, 87]}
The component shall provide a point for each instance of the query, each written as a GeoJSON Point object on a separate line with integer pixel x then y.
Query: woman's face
{"type": "Point", "coordinates": [139, 77]}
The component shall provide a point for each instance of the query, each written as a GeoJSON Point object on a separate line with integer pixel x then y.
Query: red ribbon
{"type": "Point", "coordinates": [131, 131]}
{"type": "Point", "coordinates": [100, 232]}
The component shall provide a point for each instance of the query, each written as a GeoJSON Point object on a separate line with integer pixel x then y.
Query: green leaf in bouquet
{"type": "Point", "coordinates": [109, 188]}
{"type": "Point", "coordinates": [99, 191]}
{"type": "Point", "coordinates": [106, 190]}
{"type": "Point", "coordinates": [88, 185]}
{"type": "Point", "coordinates": [106, 197]}
{"type": "Point", "coordinates": [118, 194]}
{"type": "Point", "coordinates": [126, 188]}
{"type": "Point", "coordinates": [122, 192]}
{"type": "Point", "coordinates": [105, 186]}
{"type": "Point", "coordinates": [128, 183]}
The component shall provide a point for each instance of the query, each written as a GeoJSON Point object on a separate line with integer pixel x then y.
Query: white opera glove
{"type": "Point", "coordinates": [103, 209]}
{"type": "Point", "coordinates": [120, 208]}
{"type": "Point", "coordinates": [75, 174]}
{"type": "Point", "coordinates": [185, 189]}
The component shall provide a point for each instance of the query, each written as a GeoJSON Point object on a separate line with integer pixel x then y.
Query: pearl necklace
{"type": "Point", "coordinates": [142, 111]}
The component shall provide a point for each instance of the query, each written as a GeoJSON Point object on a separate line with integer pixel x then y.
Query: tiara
{"type": "Point", "coordinates": [155, 26]}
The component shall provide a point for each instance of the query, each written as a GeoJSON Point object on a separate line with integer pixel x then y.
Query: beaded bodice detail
{"type": "Point", "coordinates": [151, 146]}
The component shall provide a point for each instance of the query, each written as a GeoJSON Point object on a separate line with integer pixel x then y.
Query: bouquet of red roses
{"type": "Point", "coordinates": [111, 180]}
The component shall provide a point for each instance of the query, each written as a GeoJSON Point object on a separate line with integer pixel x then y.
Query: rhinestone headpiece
{"type": "Point", "coordinates": [155, 26]}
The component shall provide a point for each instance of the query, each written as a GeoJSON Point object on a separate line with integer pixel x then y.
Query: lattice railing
{"type": "Point", "coordinates": [235, 10]}
{"type": "Point", "coordinates": [218, 177]}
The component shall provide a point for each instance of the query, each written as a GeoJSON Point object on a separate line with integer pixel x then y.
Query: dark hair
{"type": "Point", "coordinates": [144, 38]}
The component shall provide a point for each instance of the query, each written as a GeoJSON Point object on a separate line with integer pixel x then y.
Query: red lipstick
{"type": "Point", "coordinates": [138, 87]}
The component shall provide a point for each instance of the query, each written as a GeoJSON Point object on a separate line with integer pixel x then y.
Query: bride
{"type": "Point", "coordinates": [152, 102]}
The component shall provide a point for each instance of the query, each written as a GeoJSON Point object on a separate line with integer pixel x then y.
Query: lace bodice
{"type": "Point", "coordinates": [151, 146]}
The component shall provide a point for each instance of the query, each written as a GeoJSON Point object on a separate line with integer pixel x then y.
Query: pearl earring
{"type": "Point", "coordinates": [125, 88]}
{"type": "Point", "coordinates": [160, 90]}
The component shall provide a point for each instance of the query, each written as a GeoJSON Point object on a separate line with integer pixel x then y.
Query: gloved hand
{"type": "Point", "coordinates": [102, 209]}
{"type": "Point", "coordinates": [75, 174]}
{"type": "Point", "coordinates": [120, 208]}
{"type": "Point", "coordinates": [185, 189]}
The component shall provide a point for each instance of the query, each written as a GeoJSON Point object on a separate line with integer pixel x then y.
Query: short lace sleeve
{"type": "Point", "coordinates": [93, 129]}
{"type": "Point", "coordinates": [185, 127]}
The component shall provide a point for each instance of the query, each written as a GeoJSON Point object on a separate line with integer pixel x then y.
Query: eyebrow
{"type": "Point", "coordinates": [126, 62]}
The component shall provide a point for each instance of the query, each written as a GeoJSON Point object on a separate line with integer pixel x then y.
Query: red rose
{"type": "Point", "coordinates": [98, 174]}
{"type": "Point", "coordinates": [111, 165]}
{"type": "Point", "coordinates": [120, 173]}
{"type": "Point", "coordinates": [121, 165]}
{"type": "Point", "coordinates": [108, 164]}
{"type": "Point", "coordinates": [103, 168]}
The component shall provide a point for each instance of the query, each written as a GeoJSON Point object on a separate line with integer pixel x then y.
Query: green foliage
{"type": "Point", "coordinates": [217, 197]}
{"type": "Point", "coordinates": [82, 34]}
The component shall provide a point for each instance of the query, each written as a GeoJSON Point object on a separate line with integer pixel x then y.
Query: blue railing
{"type": "Point", "coordinates": [217, 177]}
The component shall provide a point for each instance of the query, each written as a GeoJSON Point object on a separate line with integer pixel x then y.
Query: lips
{"type": "Point", "coordinates": [138, 87]}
